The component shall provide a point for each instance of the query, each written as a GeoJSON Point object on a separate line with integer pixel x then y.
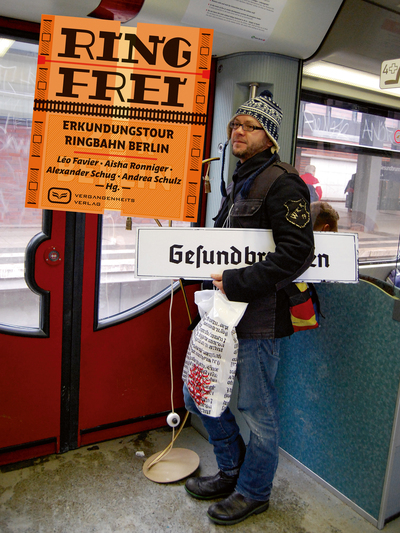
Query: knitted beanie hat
{"type": "Point", "coordinates": [266, 111]}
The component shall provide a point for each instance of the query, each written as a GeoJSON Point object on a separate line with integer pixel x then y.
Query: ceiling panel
{"type": "Point", "coordinates": [298, 32]}
{"type": "Point", "coordinates": [364, 35]}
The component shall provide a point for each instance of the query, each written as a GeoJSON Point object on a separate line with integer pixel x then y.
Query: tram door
{"type": "Point", "coordinates": [79, 378]}
{"type": "Point", "coordinates": [84, 346]}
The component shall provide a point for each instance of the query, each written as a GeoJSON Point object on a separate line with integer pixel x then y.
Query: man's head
{"type": "Point", "coordinates": [310, 169]}
{"type": "Point", "coordinates": [266, 117]}
{"type": "Point", "coordinates": [324, 217]}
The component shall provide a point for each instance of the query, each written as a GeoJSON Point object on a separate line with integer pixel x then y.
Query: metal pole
{"type": "Point", "coordinates": [253, 89]}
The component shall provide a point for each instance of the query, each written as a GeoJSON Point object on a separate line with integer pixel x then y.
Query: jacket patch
{"type": "Point", "coordinates": [297, 213]}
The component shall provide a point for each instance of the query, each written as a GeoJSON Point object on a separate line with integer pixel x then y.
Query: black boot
{"type": "Point", "coordinates": [207, 488]}
{"type": "Point", "coordinates": [235, 508]}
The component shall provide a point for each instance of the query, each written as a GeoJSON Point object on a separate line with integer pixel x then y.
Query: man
{"type": "Point", "coordinates": [312, 183]}
{"type": "Point", "coordinates": [324, 217]}
{"type": "Point", "coordinates": [246, 474]}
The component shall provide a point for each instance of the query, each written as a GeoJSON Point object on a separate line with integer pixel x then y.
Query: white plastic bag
{"type": "Point", "coordinates": [211, 358]}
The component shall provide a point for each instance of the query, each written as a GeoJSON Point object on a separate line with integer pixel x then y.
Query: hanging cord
{"type": "Point", "coordinates": [227, 221]}
{"type": "Point", "coordinates": [223, 186]}
{"type": "Point", "coordinates": [171, 372]}
{"type": "Point", "coordinates": [206, 178]}
{"type": "Point", "coordinates": [174, 437]}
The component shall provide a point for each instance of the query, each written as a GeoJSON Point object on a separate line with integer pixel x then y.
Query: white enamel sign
{"type": "Point", "coordinates": [196, 253]}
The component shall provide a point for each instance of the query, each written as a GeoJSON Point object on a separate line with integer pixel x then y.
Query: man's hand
{"type": "Point", "coordinates": [218, 282]}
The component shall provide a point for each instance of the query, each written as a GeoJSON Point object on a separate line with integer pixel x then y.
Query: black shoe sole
{"type": "Point", "coordinates": [257, 510]}
{"type": "Point", "coordinates": [212, 497]}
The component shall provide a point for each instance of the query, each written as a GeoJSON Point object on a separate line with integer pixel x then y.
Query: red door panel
{"type": "Point", "coordinates": [125, 369]}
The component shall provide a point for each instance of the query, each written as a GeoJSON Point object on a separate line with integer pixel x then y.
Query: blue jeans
{"type": "Point", "coordinates": [258, 402]}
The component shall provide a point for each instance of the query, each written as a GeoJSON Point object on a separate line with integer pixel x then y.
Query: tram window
{"type": "Point", "coordinates": [19, 306]}
{"type": "Point", "coordinates": [356, 154]}
{"type": "Point", "coordinates": [120, 290]}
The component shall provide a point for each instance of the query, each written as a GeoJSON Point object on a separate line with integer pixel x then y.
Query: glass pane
{"type": "Point", "coordinates": [18, 304]}
{"type": "Point", "coordinates": [365, 191]}
{"type": "Point", "coordinates": [350, 127]}
{"type": "Point", "coordinates": [119, 289]}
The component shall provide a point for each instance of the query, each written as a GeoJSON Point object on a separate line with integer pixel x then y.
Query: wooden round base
{"type": "Point", "coordinates": [175, 465]}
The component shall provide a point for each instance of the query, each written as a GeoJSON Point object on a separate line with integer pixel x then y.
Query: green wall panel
{"type": "Point", "coordinates": [338, 387]}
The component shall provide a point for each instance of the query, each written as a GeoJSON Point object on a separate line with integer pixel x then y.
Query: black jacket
{"type": "Point", "coordinates": [285, 210]}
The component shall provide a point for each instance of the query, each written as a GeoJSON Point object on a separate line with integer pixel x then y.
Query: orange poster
{"type": "Point", "coordinates": [119, 118]}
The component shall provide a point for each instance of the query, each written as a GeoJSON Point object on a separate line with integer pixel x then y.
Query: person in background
{"type": "Point", "coordinates": [312, 183]}
{"type": "Point", "coordinates": [324, 217]}
{"type": "Point", "coordinates": [268, 194]}
{"type": "Point", "coordinates": [349, 192]}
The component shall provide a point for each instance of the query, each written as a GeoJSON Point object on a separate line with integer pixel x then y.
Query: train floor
{"type": "Point", "coordinates": [102, 489]}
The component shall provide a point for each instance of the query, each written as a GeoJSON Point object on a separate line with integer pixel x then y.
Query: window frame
{"type": "Point", "coordinates": [349, 104]}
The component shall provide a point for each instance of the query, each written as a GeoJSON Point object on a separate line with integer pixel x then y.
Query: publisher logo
{"type": "Point", "coordinates": [59, 196]}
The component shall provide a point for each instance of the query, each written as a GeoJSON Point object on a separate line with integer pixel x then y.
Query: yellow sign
{"type": "Point", "coordinates": [119, 118]}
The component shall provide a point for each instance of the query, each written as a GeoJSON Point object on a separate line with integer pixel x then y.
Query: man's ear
{"type": "Point", "coordinates": [270, 143]}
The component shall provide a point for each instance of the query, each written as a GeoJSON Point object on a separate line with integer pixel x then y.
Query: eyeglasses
{"type": "Point", "coordinates": [245, 127]}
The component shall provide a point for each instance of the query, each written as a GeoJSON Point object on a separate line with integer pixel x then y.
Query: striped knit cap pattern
{"type": "Point", "coordinates": [266, 111]}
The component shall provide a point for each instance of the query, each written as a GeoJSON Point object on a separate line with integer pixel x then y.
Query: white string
{"type": "Point", "coordinates": [169, 447]}
{"type": "Point", "coordinates": [227, 222]}
{"type": "Point", "coordinates": [170, 348]}
{"type": "Point", "coordinates": [174, 437]}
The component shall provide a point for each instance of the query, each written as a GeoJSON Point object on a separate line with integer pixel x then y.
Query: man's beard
{"type": "Point", "coordinates": [245, 152]}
